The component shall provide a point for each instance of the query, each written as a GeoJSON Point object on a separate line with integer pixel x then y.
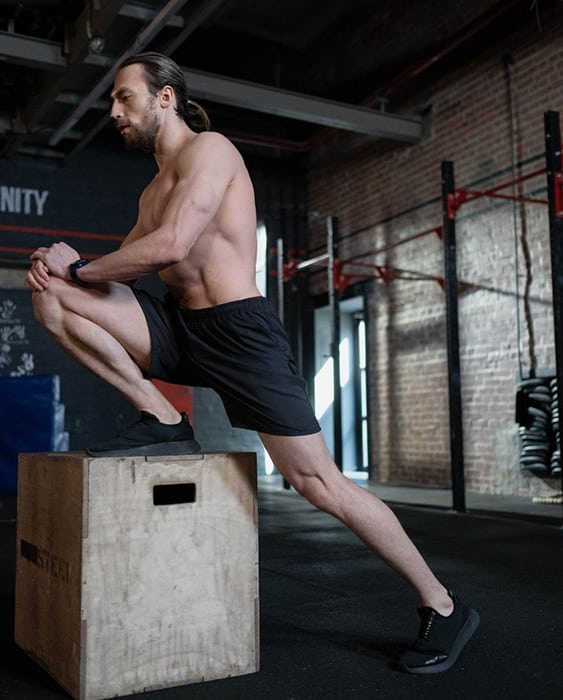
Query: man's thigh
{"type": "Point", "coordinates": [112, 307]}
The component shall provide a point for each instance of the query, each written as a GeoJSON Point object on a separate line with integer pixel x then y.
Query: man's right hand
{"type": "Point", "coordinates": [37, 278]}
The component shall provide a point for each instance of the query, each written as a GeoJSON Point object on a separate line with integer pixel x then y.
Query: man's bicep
{"type": "Point", "coordinates": [204, 175]}
{"type": "Point", "coordinates": [135, 233]}
{"type": "Point", "coordinates": [192, 205]}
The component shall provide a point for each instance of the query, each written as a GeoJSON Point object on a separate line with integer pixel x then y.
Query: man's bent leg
{"type": "Point", "coordinates": [104, 329]}
{"type": "Point", "coordinates": [307, 465]}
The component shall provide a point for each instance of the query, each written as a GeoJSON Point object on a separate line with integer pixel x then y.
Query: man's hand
{"type": "Point", "coordinates": [50, 261]}
{"type": "Point", "coordinates": [38, 276]}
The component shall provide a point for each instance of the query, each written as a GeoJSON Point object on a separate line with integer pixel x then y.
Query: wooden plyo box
{"type": "Point", "coordinates": [137, 573]}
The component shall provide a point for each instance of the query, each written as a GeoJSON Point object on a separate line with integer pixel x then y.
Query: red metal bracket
{"type": "Point", "coordinates": [386, 273]}
{"type": "Point", "coordinates": [290, 269]}
{"type": "Point", "coordinates": [459, 197]}
{"type": "Point", "coordinates": [454, 202]}
{"type": "Point", "coordinates": [341, 281]}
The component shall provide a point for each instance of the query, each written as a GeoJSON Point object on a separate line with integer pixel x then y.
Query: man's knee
{"type": "Point", "coordinates": [47, 304]}
{"type": "Point", "coordinates": [317, 491]}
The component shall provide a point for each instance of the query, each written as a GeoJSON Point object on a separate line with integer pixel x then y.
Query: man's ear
{"type": "Point", "coordinates": [166, 97]}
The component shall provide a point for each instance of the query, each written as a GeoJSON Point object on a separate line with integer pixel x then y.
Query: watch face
{"type": "Point", "coordinates": [73, 267]}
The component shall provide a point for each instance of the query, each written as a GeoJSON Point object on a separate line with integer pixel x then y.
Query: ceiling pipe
{"type": "Point", "coordinates": [268, 142]}
{"type": "Point", "coordinates": [403, 80]}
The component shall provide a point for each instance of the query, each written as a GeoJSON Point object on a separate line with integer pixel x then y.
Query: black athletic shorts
{"type": "Point", "coordinates": [239, 349]}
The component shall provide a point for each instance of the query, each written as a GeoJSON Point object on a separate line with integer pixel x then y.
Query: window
{"type": "Point", "coordinates": [261, 258]}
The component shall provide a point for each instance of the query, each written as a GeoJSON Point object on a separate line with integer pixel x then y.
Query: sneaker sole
{"type": "Point", "coordinates": [157, 449]}
{"type": "Point", "coordinates": [463, 637]}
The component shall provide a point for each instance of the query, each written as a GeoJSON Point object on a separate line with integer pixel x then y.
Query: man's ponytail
{"type": "Point", "coordinates": [196, 117]}
{"type": "Point", "coordinates": [161, 71]}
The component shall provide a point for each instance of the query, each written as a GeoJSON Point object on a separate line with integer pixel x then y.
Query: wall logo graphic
{"type": "Point", "coordinates": [22, 200]}
{"type": "Point", "coordinates": [13, 342]}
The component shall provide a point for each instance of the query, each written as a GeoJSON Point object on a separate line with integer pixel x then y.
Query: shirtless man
{"type": "Point", "coordinates": [196, 228]}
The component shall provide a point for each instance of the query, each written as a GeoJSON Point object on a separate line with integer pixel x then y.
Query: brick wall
{"type": "Point", "coordinates": [383, 193]}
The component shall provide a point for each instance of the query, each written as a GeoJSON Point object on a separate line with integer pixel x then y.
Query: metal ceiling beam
{"type": "Point", "coordinates": [293, 105]}
{"type": "Point", "coordinates": [28, 51]}
{"type": "Point", "coordinates": [141, 13]}
{"type": "Point", "coordinates": [236, 93]}
{"type": "Point", "coordinates": [206, 86]}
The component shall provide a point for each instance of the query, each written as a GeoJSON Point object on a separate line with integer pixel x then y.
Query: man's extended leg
{"type": "Point", "coordinates": [103, 328]}
{"type": "Point", "coordinates": [306, 464]}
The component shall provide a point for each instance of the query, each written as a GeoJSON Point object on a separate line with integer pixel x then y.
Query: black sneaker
{"type": "Point", "coordinates": [149, 437]}
{"type": "Point", "coordinates": [440, 639]}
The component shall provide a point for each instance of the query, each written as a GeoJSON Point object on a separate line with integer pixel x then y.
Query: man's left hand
{"type": "Point", "coordinates": [57, 258]}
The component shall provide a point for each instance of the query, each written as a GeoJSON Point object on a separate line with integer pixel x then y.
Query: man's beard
{"type": "Point", "coordinates": [143, 138]}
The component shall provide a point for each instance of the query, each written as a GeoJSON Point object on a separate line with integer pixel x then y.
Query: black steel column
{"type": "Point", "coordinates": [334, 305]}
{"type": "Point", "coordinates": [555, 205]}
{"type": "Point", "coordinates": [452, 331]}
{"type": "Point", "coordinates": [281, 302]}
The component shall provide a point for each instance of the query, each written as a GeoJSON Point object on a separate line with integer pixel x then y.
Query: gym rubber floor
{"type": "Point", "coordinates": [333, 617]}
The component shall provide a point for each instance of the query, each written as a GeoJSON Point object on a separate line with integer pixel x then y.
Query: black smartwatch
{"type": "Point", "coordinates": [74, 267]}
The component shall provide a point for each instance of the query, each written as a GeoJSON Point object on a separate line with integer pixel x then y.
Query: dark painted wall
{"type": "Point", "coordinates": [91, 203]}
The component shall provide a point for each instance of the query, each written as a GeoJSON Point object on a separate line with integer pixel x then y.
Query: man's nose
{"type": "Point", "coordinates": [116, 112]}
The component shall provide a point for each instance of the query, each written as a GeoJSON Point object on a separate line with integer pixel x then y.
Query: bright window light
{"type": "Point", "coordinates": [324, 394]}
{"type": "Point", "coordinates": [344, 362]}
{"type": "Point", "coordinates": [268, 464]}
{"type": "Point", "coordinates": [324, 380]}
{"type": "Point", "coordinates": [261, 258]}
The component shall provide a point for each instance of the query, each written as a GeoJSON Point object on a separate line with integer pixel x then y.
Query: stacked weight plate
{"type": "Point", "coordinates": [534, 406]}
{"type": "Point", "coordinates": [556, 456]}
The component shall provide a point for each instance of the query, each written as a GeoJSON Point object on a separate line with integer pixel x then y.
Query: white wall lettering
{"type": "Point", "coordinates": [22, 200]}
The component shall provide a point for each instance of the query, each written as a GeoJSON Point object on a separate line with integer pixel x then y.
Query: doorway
{"type": "Point", "coordinates": [353, 383]}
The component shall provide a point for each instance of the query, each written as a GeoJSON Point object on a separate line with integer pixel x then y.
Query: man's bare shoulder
{"type": "Point", "coordinates": [209, 152]}
{"type": "Point", "coordinates": [211, 140]}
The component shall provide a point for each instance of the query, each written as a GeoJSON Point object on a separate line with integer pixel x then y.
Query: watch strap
{"type": "Point", "coordinates": [74, 267]}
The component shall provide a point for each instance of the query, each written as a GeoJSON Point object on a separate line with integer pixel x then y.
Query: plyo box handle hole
{"type": "Point", "coordinates": [173, 494]}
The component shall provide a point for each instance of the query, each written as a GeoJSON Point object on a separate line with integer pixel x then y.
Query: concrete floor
{"type": "Point", "coordinates": [516, 506]}
{"type": "Point", "coordinates": [334, 618]}
{"type": "Point", "coordinates": [505, 506]}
